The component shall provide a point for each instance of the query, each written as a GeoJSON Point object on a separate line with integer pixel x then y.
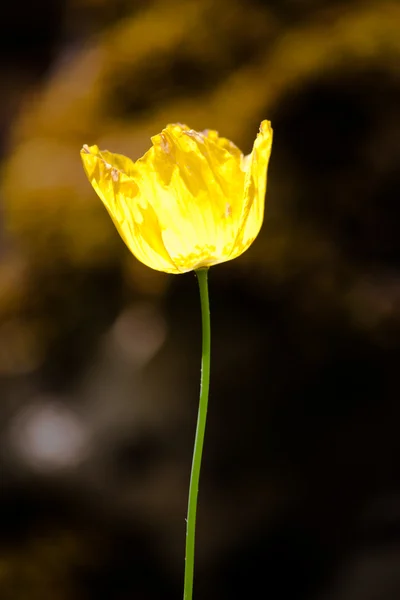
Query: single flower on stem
{"type": "Point", "coordinates": [191, 202]}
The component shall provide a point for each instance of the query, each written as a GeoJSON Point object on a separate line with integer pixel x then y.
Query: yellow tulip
{"type": "Point", "coordinates": [192, 201]}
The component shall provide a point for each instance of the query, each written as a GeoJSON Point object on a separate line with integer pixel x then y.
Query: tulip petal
{"type": "Point", "coordinates": [113, 177]}
{"type": "Point", "coordinates": [255, 165]}
{"type": "Point", "coordinates": [223, 143]}
{"type": "Point", "coordinates": [192, 180]}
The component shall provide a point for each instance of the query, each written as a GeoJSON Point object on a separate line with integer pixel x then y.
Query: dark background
{"type": "Point", "coordinates": [99, 356]}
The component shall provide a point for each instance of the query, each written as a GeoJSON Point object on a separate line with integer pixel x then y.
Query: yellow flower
{"type": "Point", "coordinates": [193, 200]}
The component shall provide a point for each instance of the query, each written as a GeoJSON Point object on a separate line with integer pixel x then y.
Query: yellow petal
{"type": "Point", "coordinates": [255, 165]}
{"type": "Point", "coordinates": [223, 143]}
{"type": "Point", "coordinates": [193, 181]}
{"type": "Point", "coordinates": [113, 178]}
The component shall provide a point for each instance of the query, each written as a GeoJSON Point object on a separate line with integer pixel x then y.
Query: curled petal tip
{"type": "Point", "coordinates": [265, 127]}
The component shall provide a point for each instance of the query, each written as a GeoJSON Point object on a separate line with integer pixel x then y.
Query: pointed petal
{"type": "Point", "coordinates": [255, 166]}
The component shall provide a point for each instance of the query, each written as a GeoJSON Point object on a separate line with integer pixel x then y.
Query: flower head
{"type": "Point", "coordinates": [193, 200]}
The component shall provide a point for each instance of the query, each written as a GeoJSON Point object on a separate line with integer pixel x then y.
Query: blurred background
{"type": "Point", "coordinates": [100, 356]}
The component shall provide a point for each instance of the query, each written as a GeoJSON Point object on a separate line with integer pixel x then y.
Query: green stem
{"type": "Point", "coordinates": [202, 276]}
